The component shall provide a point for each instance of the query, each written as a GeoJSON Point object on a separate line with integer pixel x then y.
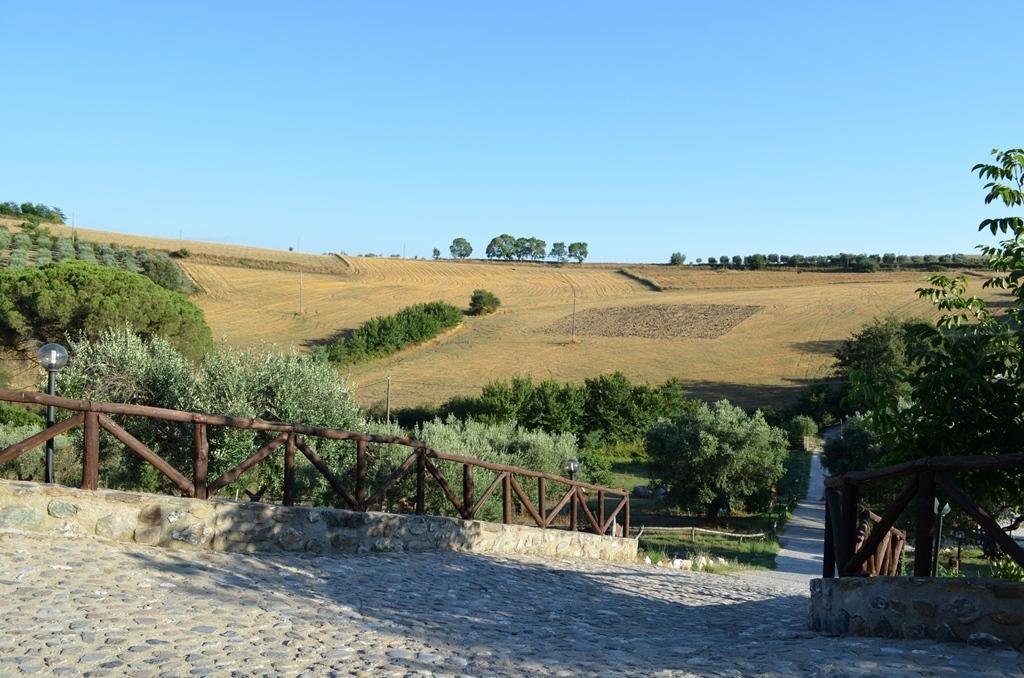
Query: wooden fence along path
{"type": "Point", "coordinates": [422, 460]}
{"type": "Point", "coordinates": [859, 542]}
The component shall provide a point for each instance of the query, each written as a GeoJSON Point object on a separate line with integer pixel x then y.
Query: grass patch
{"type": "Point", "coordinates": [746, 554]}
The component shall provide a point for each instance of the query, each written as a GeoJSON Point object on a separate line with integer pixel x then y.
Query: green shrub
{"type": "Point", "coordinates": [5, 238]}
{"type": "Point", "coordinates": [22, 241]}
{"type": "Point", "coordinates": [183, 253]}
{"type": "Point", "coordinates": [46, 303]}
{"type": "Point", "coordinates": [1005, 568]}
{"type": "Point", "coordinates": [17, 260]}
{"type": "Point", "coordinates": [717, 458]}
{"type": "Point", "coordinates": [800, 428]}
{"type": "Point", "coordinates": [120, 366]}
{"type": "Point", "coordinates": [15, 415]}
{"type": "Point", "coordinates": [162, 270]}
{"type": "Point", "coordinates": [384, 335]}
{"type": "Point", "coordinates": [483, 302]}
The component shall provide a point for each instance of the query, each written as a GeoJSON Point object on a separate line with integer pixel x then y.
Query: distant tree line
{"type": "Point", "coordinates": [508, 247]}
{"type": "Point", "coordinates": [36, 246]}
{"type": "Point", "coordinates": [34, 212]}
{"type": "Point", "coordinates": [843, 261]}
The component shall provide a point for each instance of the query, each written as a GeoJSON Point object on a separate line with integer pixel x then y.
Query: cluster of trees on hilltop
{"type": "Point", "coordinates": [35, 212]}
{"type": "Point", "coordinates": [843, 260]}
{"type": "Point", "coordinates": [509, 247]}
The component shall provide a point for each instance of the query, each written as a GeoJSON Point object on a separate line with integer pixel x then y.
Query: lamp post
{"type": "Point", "coordinates": [571, 467]}
{"type": "Point", "coordinates": [959, 534]}
{"type": "Point", "coordinates": [52, 357]}
{"type": "Point", "coordinates": [941, 513]}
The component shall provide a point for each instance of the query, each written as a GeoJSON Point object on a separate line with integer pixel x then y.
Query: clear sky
{"type": "Point", "coordinates": [643, 128]}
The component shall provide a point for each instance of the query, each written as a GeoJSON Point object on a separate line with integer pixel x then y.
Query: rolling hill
{"type": "Point", "coordinates": [755, 337]}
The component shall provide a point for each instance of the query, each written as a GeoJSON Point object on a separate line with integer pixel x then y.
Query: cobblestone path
{"type": "Point", "coordinates": [82, 606]}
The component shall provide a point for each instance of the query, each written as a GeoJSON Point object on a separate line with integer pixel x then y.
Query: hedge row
{"type": "Point", "coordinates": [384, 335]}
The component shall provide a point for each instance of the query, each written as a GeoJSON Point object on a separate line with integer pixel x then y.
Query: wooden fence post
{"type": "Point", "coordinates": [828, 565]}
{"type": "Point", "coordinates": [542, 505]}
{"type": "Point", "coordinates": [924, 519]}
{"type": "Point", "coordinates": [361, 474]}
{"type": "Point", "coordinates": [848, 524]}
{"type": "Point", "coordinates": [600, 510]}
{"type": "Point", "coordinates": [421, 487]}
{"type": "Point", "coordinates": [202, 460]}
{"type": "Point", "coordinates": [467, 490]}
{"type": "Point", "coordinates": [506, 499]}
{"type": "Point", "coordinates": [572, 510]}
{"type": "Point", "coordinates": [91, 452]}
{"type": "Point", "coordinates": [289, 471]}
{"type": "Point", "coordinates": [625, 520]}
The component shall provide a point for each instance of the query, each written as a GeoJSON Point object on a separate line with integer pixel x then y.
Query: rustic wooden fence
{"type": "Point", "coordinates": [859, 542]}
{"type": "Point", "coordinates": [422, 460]}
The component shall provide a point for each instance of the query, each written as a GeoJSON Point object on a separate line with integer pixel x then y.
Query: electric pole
{"type": "Point", "coordinates": [574, 315]}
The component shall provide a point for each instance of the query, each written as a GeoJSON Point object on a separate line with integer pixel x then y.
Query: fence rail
{"type": "Point", "coordinates": [96, 416]}
{"type": "Point", "coordinates": [859, 542]}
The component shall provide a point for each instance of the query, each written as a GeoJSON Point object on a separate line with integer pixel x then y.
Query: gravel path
{"type": "Point", "coordinates": [83, 606]}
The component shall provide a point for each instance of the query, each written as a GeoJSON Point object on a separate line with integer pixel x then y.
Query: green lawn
{"type": "Point", "coordinates": [748, 553]}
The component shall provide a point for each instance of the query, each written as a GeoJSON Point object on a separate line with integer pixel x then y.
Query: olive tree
{"type": "Point", "coordinates": [717, 457]}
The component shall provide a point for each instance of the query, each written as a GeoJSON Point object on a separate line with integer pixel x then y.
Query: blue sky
{"type": "Point", "coordinates": [642, 128]}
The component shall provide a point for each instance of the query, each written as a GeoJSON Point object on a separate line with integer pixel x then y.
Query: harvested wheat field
{"type": "Point", "coordinates": [756, 338]}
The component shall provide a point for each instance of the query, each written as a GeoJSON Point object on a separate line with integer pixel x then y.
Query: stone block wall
{"type": "Point", "coordinates": [979, 611]}
{"type": "Point", "coordinates": [220, 525]}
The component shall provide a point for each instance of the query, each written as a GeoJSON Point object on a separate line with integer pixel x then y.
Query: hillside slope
{"type": "Point", "coordinates": [754, 337]}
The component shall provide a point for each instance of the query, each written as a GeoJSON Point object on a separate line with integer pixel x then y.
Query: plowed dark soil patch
{"type": "Point", "coordinates": [657, 321]}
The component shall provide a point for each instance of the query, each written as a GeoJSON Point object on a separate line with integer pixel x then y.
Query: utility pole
{"type": "Point", "coordinates": [387, 401]}
{"type": "Point", "coordinates": [574, 315]}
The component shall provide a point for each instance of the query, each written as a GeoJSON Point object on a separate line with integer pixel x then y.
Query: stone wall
{"type": "Point", "coordinates": [219, 525]}
{"type": "Point", "coordinates": [978, 611]}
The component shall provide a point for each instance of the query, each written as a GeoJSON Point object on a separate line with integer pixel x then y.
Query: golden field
{"type": "Point", "coordinates": [784, 343]}
{"type": "Point", "coordinates": [754, 337]}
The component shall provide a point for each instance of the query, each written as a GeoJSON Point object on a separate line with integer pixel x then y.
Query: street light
{"type": "Point", "coordinates": [571, 467]}
{"type": "Point", "coordinates": [52, 357]}
{"type": "Point", "coordinates": [959, 535]}
{"type": "Point", "coordinates": [941, 513]}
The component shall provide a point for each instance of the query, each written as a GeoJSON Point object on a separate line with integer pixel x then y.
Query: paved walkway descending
{"type": "Point", "coordinates": [803, 536]}
{"type": "Point", "coordinates": [72, 607]}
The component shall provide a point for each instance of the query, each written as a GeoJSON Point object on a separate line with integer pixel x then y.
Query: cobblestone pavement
{"type": "Point", "coordinates": [82, 606]}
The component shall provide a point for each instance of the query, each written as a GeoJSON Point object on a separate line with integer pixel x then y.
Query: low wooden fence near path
{"type": "Point", "coordinates": [95, 416]}
{"type": "Point", "coordinates": [694, 531]}
{"type": "Point", "coordinates": [859, 542]}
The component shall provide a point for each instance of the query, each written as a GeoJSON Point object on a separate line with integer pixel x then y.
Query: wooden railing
{"type": "Point", "coordinates": [96, 416]}
{"type": "Point", "coordinates": [853, 551]}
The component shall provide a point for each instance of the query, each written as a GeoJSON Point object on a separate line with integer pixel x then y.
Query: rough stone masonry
{"type": "Point", "coordinates": [219, 525]}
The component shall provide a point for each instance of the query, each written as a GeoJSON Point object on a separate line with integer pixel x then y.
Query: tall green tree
{"type": "Point", "coordinates": [84, 299]}
{"type": "Point", "coordinates": [717, 458]}
{"type": "Point", "coordinates": [964, 387]}
{"type": "Point", "coordinates": [501, 247]}
{"type": "Point", "coordinates": [460, 248]}
{"type": "Point", "coordinates": [559, 252]}
{"type": "Point", "coordinates": [578, 251]}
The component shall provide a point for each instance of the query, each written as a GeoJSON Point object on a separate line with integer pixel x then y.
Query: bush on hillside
{"type": "Point", "coordinates": [384, 335]}
{"type": "Point", "coordinates": [483, 302]}
{"type": "Point", "coordinates": [47, 303]}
